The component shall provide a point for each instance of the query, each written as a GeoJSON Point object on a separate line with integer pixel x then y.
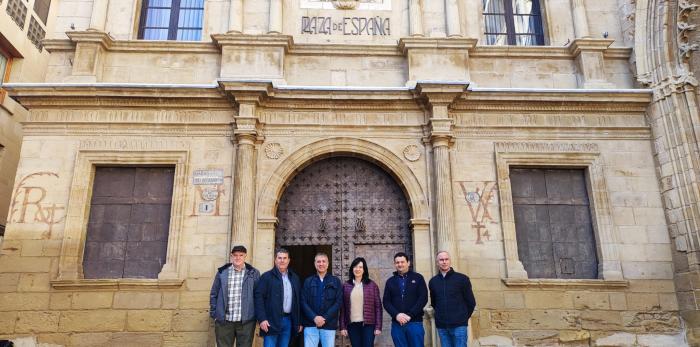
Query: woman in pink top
{"type": "Point", "coordinates": [361, 312]}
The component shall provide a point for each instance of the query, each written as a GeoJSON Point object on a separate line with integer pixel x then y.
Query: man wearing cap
{"type": "Point", "coordinates": [231, 301]}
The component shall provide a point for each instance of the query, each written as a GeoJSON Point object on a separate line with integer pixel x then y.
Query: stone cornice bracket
{"type": "Point", "coordinates": [589, 55]}
{"type": "Point", "coordinates": [248, 95]}
{"type": "Point", "coordinates": [685, 47]}
{"type": "Point", "coordinates": [439, 96]}
{"type": "Point", "coordinates": [90, 49]}
{"type": "Point", "coordinates": [449, 58]}
{"type": "Point", "coordinates": [105, 40]}
{"type": "Point", "coordinates": [267, 51]}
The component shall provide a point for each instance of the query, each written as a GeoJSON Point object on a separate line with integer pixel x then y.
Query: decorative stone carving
{"type": "Point", "coordinates": [675, 84]}
{"type": "Point", "coordinates": [685, 48]}
{"type": "Point", "coordinates": [274, 150]}
{"type": "Point", "coordinates": [411, 153]}
{"type": "Point", "coordinates": [346, 4]}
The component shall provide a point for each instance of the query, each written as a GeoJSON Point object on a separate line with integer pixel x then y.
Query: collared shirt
{"type": "Point", "coordinates": [287, 302]}
{"type": "Point", "coordinates": [235, 288]}
{"type": "Point", "coordinates": [402, 284]}
{"type": "Point", "coordinates": [319, 292]}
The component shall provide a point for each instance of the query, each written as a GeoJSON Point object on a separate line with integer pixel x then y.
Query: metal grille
{"type": "Point", "coordinates": [553, 223]}
{"type": "Point", "coordinates": [36, 34]}
{"type": "Point", "coordinates": [17, 11]}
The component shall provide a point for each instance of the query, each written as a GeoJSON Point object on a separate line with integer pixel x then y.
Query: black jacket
{"type": "Point", "coordinates": [452, 298]}
{"type": "Point", "coordinates": [329, 306]}
{"type": "Point", "coordinates": [414, 300]}
{"type": "Point", "coordinates": [269, 298]}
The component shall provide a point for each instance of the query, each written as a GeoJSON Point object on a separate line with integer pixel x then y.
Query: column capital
{"type": "Point", "coordinates": [247, 130]}
{"type": "Point", "coordinates": [440, 93]}
{"type": "Point", "coordinates": [441, 133]}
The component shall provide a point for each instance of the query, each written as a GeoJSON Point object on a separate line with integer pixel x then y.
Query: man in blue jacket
{"type": "Point", "coordinates": [231, 301]}
{"type": "Point", "coordinates": [321, 298]}
{"type": "Point", "coordinates": [405, 296]}
{"type": "Point", "coordinates": [453, 300]}
{"type": "Point", "coordinates": [277, 302]}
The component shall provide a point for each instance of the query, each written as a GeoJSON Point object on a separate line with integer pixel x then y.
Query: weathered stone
{"type": "Point", "coordinates": [24, 301]}
{"type": "Point", "coordinates": [15, 264]}
{"type": "Point", "coordinates": [149, 320]}
{"type": "Point", "coordinates": [60, 301]}
{"type": "Point", "coordinates": [569, 337]}
{"type": "Point", "coordinates": [536, 338]}
{"type": "Point", "coordinates": [93, 320]}
{"type": "Point", "coordinates": [37, 322]}
{"type": "Point", "coordinates": [53, 339]}
{"type": "Point", "coordinates": [34, 282]}
{"type": "Point", "coordinates": [617, 340]}
{"type": "Point", "coordinates": [171, 300]}
{"type": "Point", "coordinates": [653, 322]}
{"type": "Point", "coordinates": [194, 300]}
{"type": "Point", "coordinates": [661, 340]}
{"type": "Point", "coordinates": [134, 300]}
{"type": "Point", "coordinates": [601, 320]}
{"type": "Point", "coordinates": [191, 320]}
{"type": "Point", "coordinates": [185, 339]}
{"type": "Point", "coordinates": [509, 320]}
{"type": "Point", "coordinates": [495, 341]}
{"type": "Point", "coordinates": [7, 322]}
{"type": "Point", "coordinates": [643, 302]}
{"type": "Point", "coordinates": [136, 339]}
{"type": "Point", "coordinates": [87, 300]}
{"type": "Point", "coordinates": [591, 300]}
{"type": "Point", "coordinates": [90, 339]}
{"type": "Point", "coordinates": [548, 299]}
{"type": "Point", "coordinates": [554, 320]}
{"type": "Point", "coordinates": [8, 282]}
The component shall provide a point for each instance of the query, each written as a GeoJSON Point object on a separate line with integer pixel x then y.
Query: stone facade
{"type": "Point", "coordinates": [260, 98]}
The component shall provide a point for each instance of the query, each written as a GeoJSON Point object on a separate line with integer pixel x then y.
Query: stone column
{"type": "Point", "coordinates": [580, 19]}
{"type": "Point", "coordinates": [244, 190]}
{"type": "Point", "coordinates": [415, 13]}
{"type": "Point", "coordinates": [98, 19]}
{"type": "Point", "coordinates": [454, 28]}
{"type": "Point", "coordinates": [444, 205]}
{"type": "Point", "coordinates": [275, 17]}
{"type": "Point", "coordinates": [235, 16]}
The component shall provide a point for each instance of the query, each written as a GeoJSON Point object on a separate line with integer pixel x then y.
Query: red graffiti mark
{"type": "Point", "coordinates": [30, 198]}
{"type": "Point", "coordinates": [478, 201]}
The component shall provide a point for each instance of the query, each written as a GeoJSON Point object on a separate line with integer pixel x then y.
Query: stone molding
{"type": "Point", "coordinates": [70, 266]}
{"type": "Point", "coordinates": [565, 284]}
{"type": "Point", "coordinates": [547, 154]}
{"type": "Point", "coordinates": [116, 284]}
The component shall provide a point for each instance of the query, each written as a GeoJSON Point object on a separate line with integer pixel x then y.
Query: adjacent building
{"type": "Point", "coordinates": [549, 145]}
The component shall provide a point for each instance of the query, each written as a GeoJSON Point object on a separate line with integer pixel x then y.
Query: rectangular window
{"type": "Point", "coordinates": [553, 223]}
{"type": "Point", "coordinates": [41, 8]}
{"type": "Point", "coordinates": [127, 234]}
{"type": "Point", "coordinates": [513, 22]}
{"type": "Point", "coordinates": [171, 20]}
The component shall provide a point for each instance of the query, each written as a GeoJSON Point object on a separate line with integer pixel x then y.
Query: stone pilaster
{"type": "Point", "coordinates": [439, 96]}
{"type": "Point", "coordinates": [275, 26]}
{"type": "Point", "coordinates": [437, 59]}
{"type": "Point", "coordinates": [98, 19]}
{"type": "Point", "coordinates": [578, 10]}
{"type": "Point", "coordinates": [473, 10]}
{"type": "Point", "coordinates": [267, 51]}
{"type": "Point", "coordinates": [454, 28]}
{"type": "Point", "coordinates": [235, 16]}
{"type": "Point", "coordinates": [415, 13]}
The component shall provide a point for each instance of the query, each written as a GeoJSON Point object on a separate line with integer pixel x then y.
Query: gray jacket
{"type": "Point", "coordinates": [218, 298]}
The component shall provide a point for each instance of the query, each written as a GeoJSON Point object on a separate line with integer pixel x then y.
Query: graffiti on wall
{"type": "Point", "coordinates": [30, 203]}
{"type": "Point", "coordinates": [481, 201]}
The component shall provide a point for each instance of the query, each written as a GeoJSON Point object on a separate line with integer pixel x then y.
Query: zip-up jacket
{"type": "Point", "coordinates": [327, 306]}
{"type": "Point", "coordinates": [371, 305]}
{"type": "Point", "coordinates": [218, 298]}
{"type": "Point", "coordinates": [411, 301]}
{"type": "Point", "coordinates": [269, 298]}
{"type": "Point", "coordinates": [452, 298]}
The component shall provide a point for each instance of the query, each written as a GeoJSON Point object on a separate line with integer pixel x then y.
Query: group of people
{"type": "Point", "coordinates": [283, 307]}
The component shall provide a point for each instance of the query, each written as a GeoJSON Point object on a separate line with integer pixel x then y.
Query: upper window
{"type": "Point", "coordinates": [513, 22]}
{"type": "Point", "coordinates": [171, 20]}
{"type": "Point", "coordinates": [41, 8]}
{"type": "Point", "coordinates": [127, 233]}
{"type": "Point", "coordinates": [553, 223]}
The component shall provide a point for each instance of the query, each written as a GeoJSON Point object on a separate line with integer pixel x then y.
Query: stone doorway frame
{"type": "Point", "coordinates": [264, 237]}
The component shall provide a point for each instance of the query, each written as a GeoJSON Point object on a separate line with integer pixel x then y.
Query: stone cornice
{"type": "Point", "coordinates": [345, 50]}
{"type": "Point", "coordinates": [138, 46]}
{"type": "Point", "coordinates": [242, 40]}
{"type": "Point", "coordinates": [50, 95]}
{"type": "Point", "coordinates": [588, 44]}
{"type": "Point", "coordinates": [408, 43]}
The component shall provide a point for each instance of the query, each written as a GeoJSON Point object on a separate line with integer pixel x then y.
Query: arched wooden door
{"type": "Point", "coordinates": [350, 207]}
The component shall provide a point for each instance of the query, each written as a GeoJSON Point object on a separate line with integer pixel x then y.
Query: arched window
{"type": "Point", "coordinates": [171, 20]}
{"type": "Point", "coordinates": [513, 22]}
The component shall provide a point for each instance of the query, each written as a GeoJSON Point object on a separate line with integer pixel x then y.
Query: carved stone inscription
{"type": "Point", "coordinates": [348, 26]}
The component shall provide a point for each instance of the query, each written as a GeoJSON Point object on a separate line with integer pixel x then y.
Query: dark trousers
{"type": "Point", "coordinates": [361, 335]}
{"type": "Point", "coordinates": [226, 332]}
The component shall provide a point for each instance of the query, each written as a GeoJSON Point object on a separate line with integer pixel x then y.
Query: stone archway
{"type": "Point", "coordinates": [349, 207]}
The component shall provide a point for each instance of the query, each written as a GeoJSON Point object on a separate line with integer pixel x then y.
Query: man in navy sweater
{"type": "Point", "coordinates": [405, 296]}
{"type": "Point", "coordinates": [452, 298]}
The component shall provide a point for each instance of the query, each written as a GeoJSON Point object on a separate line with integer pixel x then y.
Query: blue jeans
{"type": "Point", "coordinates": [411, 334]}
{"type": "Point", "coordinates": [313, 334]}
{"type": "Point", "coordinates": [360, 335]}
{"type": "Point", "coordinates": [453, 337]}
{"type": "Point", "coordinates": [281, 340]}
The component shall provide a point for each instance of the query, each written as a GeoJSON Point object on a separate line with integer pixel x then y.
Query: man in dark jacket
{"type": "Point", "coordinates": [453, 300]}
{"type": "Point", "coordinates": [405, 296]}
{"type": "Point", "coordinates": [231, 301]}
{"type": "Point", "coordinates": [277, 302]}
{"type": "Point", "coordinates": [321, 298]}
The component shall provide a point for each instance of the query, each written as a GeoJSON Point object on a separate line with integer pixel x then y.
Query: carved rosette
{"type": "Point", "coordinates": [274, 150]}
{"type": "Point", "coordinates": [346, 4]}
{"type": "Point", "coordinates": [411, 153]}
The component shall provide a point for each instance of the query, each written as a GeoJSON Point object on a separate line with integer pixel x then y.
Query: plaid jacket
{"type": "Point", "coordinates": [372, 308]}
